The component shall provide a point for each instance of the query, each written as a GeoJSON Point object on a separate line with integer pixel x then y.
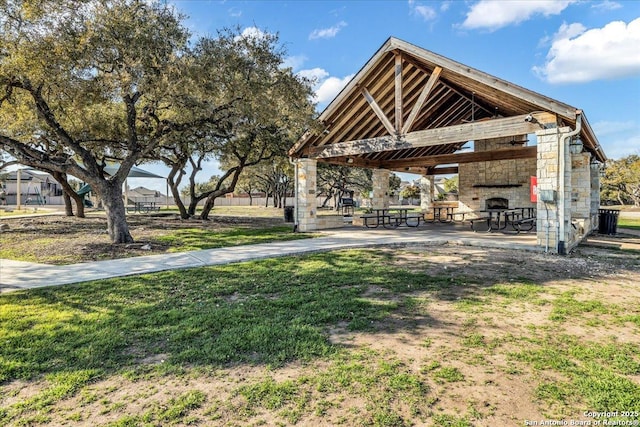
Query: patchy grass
{"type": "Point", "coordinates": [357, 337]}
{"type": "Point", "coordinates": [66, 240]}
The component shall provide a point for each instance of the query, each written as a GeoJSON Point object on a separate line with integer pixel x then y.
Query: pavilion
{"type": "Point", "coordinates": [411, 110]}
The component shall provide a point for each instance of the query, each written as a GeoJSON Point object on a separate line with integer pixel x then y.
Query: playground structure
{"type": "Point", "coordinates": [30, 187]}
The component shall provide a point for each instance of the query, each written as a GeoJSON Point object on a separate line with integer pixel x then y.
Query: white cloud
{"type": "Point", "coordinates": [578, 55]}
{"type": "Point", "coordinates": [327, 33]}
{"type": "Point", "coordinates": [330, 87]}
{"type": "Point", "coordinates": [235, 12]}
{"type": "Point", "coordinates": [253, 32]}
{"type": "Point", "coordinates": [425, 12]}
{"type": "Point", "coordinates": [495, 14]}
{"type": "Point", "coordinates": [325, 87]}
{"type": "Point", "coordinates": [294, 62]}
{"type": "Point", "coordinates": [314, 74]}
{"type": "Point", "coordinates": [607, 5]}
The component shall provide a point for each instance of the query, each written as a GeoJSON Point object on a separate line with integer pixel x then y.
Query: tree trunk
{"type": "Point", "coordinates": [175, 192]}
{"type": "Point", "coordinates": [117, 227]}
{"type": "Point", "coordinates": [208, 205]}
{"type": "Point", "coordinates": [69, 192]}
{"type": "Point", "coordinates": [68, 207]}
{"type": "Point", "coordinates": [178, 201]}
{"type": "Point", "coordinates": [79, 204]}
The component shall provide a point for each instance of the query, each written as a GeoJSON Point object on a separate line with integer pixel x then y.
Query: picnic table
{"type": "Point", "coordinates": [145, 207]}
{"type": "Point", "coordinates": [391, 218]}
{"type": "Point", "coordinates": [442, 214]}
{"type": "Point", "coordinates": [520, 219]}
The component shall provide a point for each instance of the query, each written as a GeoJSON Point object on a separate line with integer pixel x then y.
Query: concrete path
{"type": "Point", "coordinates": [16, 275]}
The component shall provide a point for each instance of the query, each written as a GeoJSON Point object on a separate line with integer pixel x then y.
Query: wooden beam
{"type": "Point", "coordinates": [398, 95]}
{"type": "Point", "coordinates": [442, 171]}
{"type": "Point", "coordinates": [426, 90]}
{"type": "Point", "coordinates": [376, 109]}
{"type": "Point", "coordinates": [490, 128]}
{"type": "Point", "coordinates": [480, 156]}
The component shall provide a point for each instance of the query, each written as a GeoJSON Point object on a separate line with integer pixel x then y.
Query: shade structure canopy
{"type": "Point", "coordinates": [111, 169]}
{"type": "Point", "coordinates": [409, 109]}
{"type": "Point", "coordinates": [135, 172]}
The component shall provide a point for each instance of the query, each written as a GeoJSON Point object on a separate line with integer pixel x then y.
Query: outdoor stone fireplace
{"type": "Point", "coordinates": [497, 203]}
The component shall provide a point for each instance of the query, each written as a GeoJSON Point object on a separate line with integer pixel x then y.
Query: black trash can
{"type": "Point", "coordinates": [608, 221]}
{"type": "Point", "coordinates": [288, 214]}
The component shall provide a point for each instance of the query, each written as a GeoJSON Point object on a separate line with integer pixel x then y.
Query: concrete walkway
{"type": "Point", "coordinates": [16, 275]}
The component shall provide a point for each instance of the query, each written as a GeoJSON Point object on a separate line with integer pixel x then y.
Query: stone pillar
{"type": "Point", "coordinates": [547, 176]}
{"type": "Point", "coordinates": [581, 185]}
{"type": "Point", "coordinates": [306, 202]}
{"type": "Point", "coordinates": [580, 197]}
{"type": "Point", "coordinates": [380, 197]}
{"type": "Point", "coordinates": [595, 195]}
{"type": "Point", "coordinates": [427, 189]}
{"type": "Point", "coordinates": [551, 233]}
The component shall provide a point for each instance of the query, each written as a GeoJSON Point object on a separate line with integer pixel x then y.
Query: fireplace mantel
{"type": "Point", "coordinates": [496, 185]}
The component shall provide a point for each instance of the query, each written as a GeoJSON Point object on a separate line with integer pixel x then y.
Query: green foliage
{"type": "Point", "coordinates": [335, 182]}
{"type": "Point", "coordinates": [451, 184]}
{"type": "Point", "coordinates": [621, 181]}
{"type": "Point", "coordinates": [410, 192]}
{"type": "Point", "coordinates": [394, 182]}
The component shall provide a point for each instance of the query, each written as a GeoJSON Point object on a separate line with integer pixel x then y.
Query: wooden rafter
{"type": "Point", "coordinates": [376, 109]}
{"type": "Point", "coordinates": [421, 99]}
{"type": "Point", "coordinates": [398, 92]}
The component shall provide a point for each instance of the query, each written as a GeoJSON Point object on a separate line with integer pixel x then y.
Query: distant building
{"type": "Point", "coordinates": [36, 188]}
{"type": "Point", "coordinates": [142, 194]}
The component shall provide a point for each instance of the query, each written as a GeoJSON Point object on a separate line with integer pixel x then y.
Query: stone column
{"type": "Point", "coordinates": [306, 203]}
{"type": "Point", "coordinates": [427, 189]}
{"type": "Point", "coordinates": [549, 164]}
{"type": "Point", "coordinates": [547, 176]}
{"type": "Point", "coordinates": [380, 197]}
{"type": "Point", "coordinates": [595, 195]}
{"type": "Point", "coordinates": [580, 196]}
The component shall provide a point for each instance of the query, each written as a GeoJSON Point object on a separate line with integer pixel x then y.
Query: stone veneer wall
{"type": "Point", "coordinates": [306, 202]}
{"type": "Point", "coordinates": [517, 173]}
{"type": "Point", "coordinates": [380, 183]}
{"type": "Point", "coordinates": [595, 195]}
{"type": "Point", "coordinates": [427, 190]}
{"type": "Point", "coordinates": [329, 221]}
{"type": "Point", "coordinates": [547, 223]}
{"type": "Point", "coordinates": [581, 191]}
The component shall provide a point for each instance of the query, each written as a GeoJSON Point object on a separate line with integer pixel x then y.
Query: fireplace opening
{"type": "Point", "coordinates": [497, 203]}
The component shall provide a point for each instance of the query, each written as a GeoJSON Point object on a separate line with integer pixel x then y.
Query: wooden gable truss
{"type": "Point", "coordinates": [410, 110]}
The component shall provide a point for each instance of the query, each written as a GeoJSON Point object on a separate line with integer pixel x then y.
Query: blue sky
{"type": "Point", "coordinates": [583, 53]}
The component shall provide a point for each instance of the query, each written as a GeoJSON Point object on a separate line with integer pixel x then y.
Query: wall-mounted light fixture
{"type": "Point", "coordinates": [576, 145]}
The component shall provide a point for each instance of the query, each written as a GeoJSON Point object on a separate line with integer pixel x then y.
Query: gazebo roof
{"type": "Point", "coordinates": [409, 109]}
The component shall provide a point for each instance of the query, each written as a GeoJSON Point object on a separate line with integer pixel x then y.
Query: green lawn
{"type": "Point", "coordinates": [190, 239]}
{"type": "Point", "coordinates": [310, 339]}
{"type": "Point", "coordinates": [629, 223]}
